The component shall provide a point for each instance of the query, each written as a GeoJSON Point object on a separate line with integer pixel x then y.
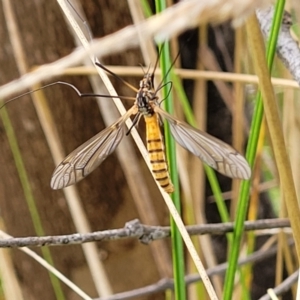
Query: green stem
{"type": "Point", "coordinates": [250, 155]}
{"type": "Point", "coordinates": [177, 243]}
{"type": "Point", "coordinates": [31, 203]}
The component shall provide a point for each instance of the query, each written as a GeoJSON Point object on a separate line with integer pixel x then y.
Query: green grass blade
{"type": "Point", "coordinates": [177, 243]}
{"type": "Point", "coordinates": [250, 155]}
{"type": "Point", "coordinates": [29, 196]}
{"type": "Point", "coordinates": [146, 8]}
{"type": "Point", "coordinates": [210, 173]}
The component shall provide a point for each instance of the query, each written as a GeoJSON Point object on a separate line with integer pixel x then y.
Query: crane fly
{"type": "Point", "coordinates": [212, 151]}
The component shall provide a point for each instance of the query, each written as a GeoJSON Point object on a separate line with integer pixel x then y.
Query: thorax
{"type": "Point", "coordinates": [146, 96]}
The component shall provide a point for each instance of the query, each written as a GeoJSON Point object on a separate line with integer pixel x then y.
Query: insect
{"type": "Point", "coordinates": [212, 151]}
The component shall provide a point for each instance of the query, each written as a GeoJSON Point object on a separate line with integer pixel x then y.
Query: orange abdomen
{"type": "Point", "coordinates": [156, 151]}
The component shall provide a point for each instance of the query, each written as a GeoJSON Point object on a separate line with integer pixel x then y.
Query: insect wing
{"type": "Point", "coordinates": [87, 157]}
{"type": "Point", "coordinates": [209, 149]}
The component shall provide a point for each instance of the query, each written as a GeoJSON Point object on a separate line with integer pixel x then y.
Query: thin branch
{"type": "Point", "coordinates": [184, 74]}
{"type": "Point", "coordinates": [134, 229]}
{"type": "Point", "coordinates": [167, 283]}
{"type": "Point", "coordinates": [283, 287]}
{"type": "Point", "coordinates": [287, 48]}
{"type": "Point", "coordinates": [174, 20]}
{"type": "Point", "coordinates": [51, 269]}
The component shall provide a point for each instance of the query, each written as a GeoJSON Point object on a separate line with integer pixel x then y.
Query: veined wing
{"type": "Point", "coordinates": [87, 157]}
{"type": "Point", "coordinates": [209, 149]}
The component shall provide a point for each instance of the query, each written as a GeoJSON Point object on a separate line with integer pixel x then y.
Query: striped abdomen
{"type": "Point", "coordinates": [156, 151]}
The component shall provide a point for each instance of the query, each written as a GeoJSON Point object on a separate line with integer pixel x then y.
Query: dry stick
{"type": "Point", "coordinates": [291, 130]}
{"type": "Point", "coordinates": [11, 285]}
{"type": "Point", "coordinates": [143, 150]}
{"type": "Point", "coordinates": [274, 124]}
{"type": "Point", "coordinates": [147, 46]}
{"type": "Point", "coordinates": [186, 74]}
{"type": "Point", "coordinates": [174, 20]}
{"type": "Point", "coordinates": [238, 113]}
{"type": "Point", "coordinates": [287, 48]}
{"type": "Point", "coordinates": [43, 117]}
{"type": "Point", "coordinates": [165, 284]}
{"type": "Point", "coordinates": [145, 233]}
{"type": "Point", "coordinates": [148, 50]}
{"type": "Point", "coordinates": [281, 288]}
{"type": "Point", "coordinates": [132, 170]}
{"type": "Point", "coordinates": [95, 265]}
{"type": "Point", "coordinates": [50, 268]}
{"type": "Point", "coordinates": [149, 55]}
{"type": "Point", "coordinates": [197, 175]}
{"type": "Point", "coordinates": [289, 52]}
{"type": "Point", "coordinates": [161, 253]}
{"type": "Point", "coordinates": [210, 63]}
{"type": "Point", "coordinates": [73, 199]}
{"type": "Point", "coordinates": [71, 194]}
